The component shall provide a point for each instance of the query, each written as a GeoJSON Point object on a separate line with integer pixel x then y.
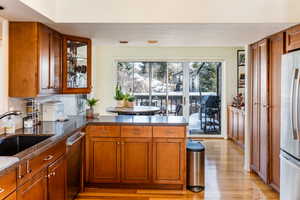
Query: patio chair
{"type": "Point", "coordinates": [211, 110]}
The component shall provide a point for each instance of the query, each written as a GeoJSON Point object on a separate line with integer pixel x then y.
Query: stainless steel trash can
{"type": "Point", "coordinates": [195, 166]}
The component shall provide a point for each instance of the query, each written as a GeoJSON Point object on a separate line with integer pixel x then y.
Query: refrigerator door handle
{"type": "Point", "coordinates": [297, 136]}
{"type": "Point", "coordinates": [291, 160]}
{"type": "Point", "coordinates": [292, 108]}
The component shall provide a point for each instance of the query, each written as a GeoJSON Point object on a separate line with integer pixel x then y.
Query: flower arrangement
{"type": "Point", "coordinates": [238, 101]}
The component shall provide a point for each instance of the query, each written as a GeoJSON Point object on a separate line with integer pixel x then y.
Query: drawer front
{"type": "Point", "coordinates": [103, 131]}
{"type": "Point", "coordinates": [136, 131]}
{"type": "Point", "coordinates": [8, 183]}
{"type": "Point", "coordinates": [47, 157]}
{"type": "Point", "coordinates": [169, 131]}
{"type": "Point", "coordinates": [30, 167]}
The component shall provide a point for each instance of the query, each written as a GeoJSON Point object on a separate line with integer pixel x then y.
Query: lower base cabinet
{"type": "Point", "coordinates": [36, 188]}
{"type": "Point", "coordinates": [168, 160]}
{"type": "Point", "coordinates": [136, 156]}
{"type": "Point", "coordinates": [57, 179]}
{"type": "Point", "coordinates": [136, 160]}
{"type": "Point", "coordinates": [103, 160]}
{"type": "Point", "coordinates": [236, 125]}
{"type": "Point", "coordinates": [48, 184]}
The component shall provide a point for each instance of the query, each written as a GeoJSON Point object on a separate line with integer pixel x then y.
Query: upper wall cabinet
{"type": "Point", "coordinates": [293, 38]}
{"type": "Point", "coordinates": [44, 62]}
{"type": "Point", "coordinates": [76, 65]}
{"type": "Point", "coordinates": [34, 60]}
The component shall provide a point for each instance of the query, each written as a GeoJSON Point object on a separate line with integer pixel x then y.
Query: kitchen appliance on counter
{"type": "Point", "coordinates": [290, 127]}
{"type": "Point", "coordinates": [53, 111]}
{"type": "Point", "coordinates": [75, 153]}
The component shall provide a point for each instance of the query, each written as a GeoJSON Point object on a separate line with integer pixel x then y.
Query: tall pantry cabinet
{"type": "Point", "coordinates": [265, 70]}
{"type": "Point", "coordinates": [259, 138]}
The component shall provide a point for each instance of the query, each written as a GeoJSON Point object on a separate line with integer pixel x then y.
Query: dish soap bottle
{"type": "Point", "coordinates": [10, 126]}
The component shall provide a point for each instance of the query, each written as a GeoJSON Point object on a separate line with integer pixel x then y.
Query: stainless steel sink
{"type": "Point", "coordinates": [12, 145]}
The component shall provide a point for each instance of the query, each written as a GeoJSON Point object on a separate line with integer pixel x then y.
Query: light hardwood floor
{"type": "Point", "coordinates": [225, 180]}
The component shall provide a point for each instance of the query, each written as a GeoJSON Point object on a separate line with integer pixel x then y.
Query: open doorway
{"type": "Point", "coordinates": [190, 89]}
{"type": "Point", "coordinates": [205, 97]}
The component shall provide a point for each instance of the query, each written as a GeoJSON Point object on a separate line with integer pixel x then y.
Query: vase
{"type": "Point", "coordinates": [90, 113]}
{"type": "Point", "coordinates": [129, 104]}
{"type": "Point", "coordinates": [120, 103]}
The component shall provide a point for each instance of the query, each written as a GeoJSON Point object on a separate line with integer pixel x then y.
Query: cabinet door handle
{"type": "Point", "coordinates": [1, 190]}
{"type": "Point", "coordinates": [118, 142]}
{"type": "Point", "coordinates": [20, 172]}
{"type": "Point", "coordinates": [48, 158]}
{"type": "Point", "coordinates": [28, 170]}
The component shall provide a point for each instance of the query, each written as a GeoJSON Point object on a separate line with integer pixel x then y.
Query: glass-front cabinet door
{"type": "Point", "coordinates": [77, 65]}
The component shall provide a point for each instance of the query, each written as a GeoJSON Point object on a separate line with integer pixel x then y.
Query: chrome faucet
{"type": "Point", "coordinates": [10, 113]}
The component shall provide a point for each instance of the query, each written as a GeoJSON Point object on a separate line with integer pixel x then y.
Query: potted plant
{"type": "Point", "coordinates": [91, 103]}
{"type": "Point", "coordinates": [129, 100]}
{"type": "Point", "coordinates": [119, 96]}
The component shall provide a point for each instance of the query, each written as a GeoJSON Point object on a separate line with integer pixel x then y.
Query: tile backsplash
{"type": "Point", "coordinates": [73, 105]}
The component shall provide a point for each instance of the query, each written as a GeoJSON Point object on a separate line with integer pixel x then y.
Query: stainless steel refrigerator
{"type": "Point", "coordinates": [290, 127]}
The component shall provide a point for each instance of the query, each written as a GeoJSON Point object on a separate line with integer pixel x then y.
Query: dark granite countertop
{"type": "Point", "coordinates": [62, 130]}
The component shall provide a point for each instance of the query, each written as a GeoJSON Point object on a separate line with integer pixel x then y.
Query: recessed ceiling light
{"type": "Point", "coordinates": [123, 42]}
{"type": "Point", "coordinates": [152, 41]}
{"type": "Point", "coordinates": [1, 8]}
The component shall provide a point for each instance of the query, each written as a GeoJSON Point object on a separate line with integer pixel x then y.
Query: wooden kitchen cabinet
{"type": "Point", "coordinates": [103, 160]}
{"type": "Point", "coordinates": [259, 109]}
{"type": "Point", "coordinates": [35, 188]}
{"type": "Point", "coordinates": [293, 38]}
{"type": "Point", "coordinates": [146, 155]}
{"type": "Point", "coordinates": [136, 160]}
{"type": "Point", "coordinates": [56, 62]}
{"type": "Point", "coordinates": [169, 157]}
{"type": "Point", "coordinates": [76, 65]}
{"type": "Point", "coordinates": [276, 50]}
{"type": "Point", "coordinates": [236, 125]}
{"type": "Point", "coordinates": [34, 60]}
{"type": "Point", "coordinates": [57, 179]}
{"type": "Point", "coordinates": [8, 183]}
{"type": "Point", "coordinates": [12, 196]}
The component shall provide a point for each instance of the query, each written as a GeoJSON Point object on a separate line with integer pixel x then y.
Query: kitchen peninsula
{"type": "Point", "coordinates": [120, 151]}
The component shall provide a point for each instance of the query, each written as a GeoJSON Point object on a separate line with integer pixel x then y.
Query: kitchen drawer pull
{"type": "Point", "coordinates": [136, 131]}
{"type": "Point", "coordinates": [169, 132]}
{"type": "Point", "coordinates": [20, 172]}
{"type": "Point", "coordinates": [28, 170]}
{"type": "Point", "coordinates": [1, 190]}
{"type": "Point", "coordinates": [48, 158]}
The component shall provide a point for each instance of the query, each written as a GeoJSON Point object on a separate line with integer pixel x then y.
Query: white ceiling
{"type": "Point", "coordinates": [188, 34]}
{"type": "Point", "coordinates": [174, 34]}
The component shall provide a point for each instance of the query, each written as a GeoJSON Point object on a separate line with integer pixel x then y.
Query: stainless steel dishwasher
{"type": "Point", "coordinates": [74, 164]}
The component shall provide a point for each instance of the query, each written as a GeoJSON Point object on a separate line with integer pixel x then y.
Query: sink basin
{"type": "Point", "coordinates": [12, 145]}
